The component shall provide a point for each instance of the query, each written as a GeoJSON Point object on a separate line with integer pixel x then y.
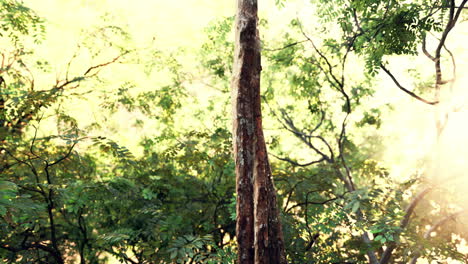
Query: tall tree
{"type": "Point", "coordinates": [259, 233]}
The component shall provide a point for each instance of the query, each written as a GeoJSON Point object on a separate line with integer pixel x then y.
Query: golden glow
{"type": "Point", "coordinates": [411, 136]}
{"type": "Point", "coordinates": [409, 131]}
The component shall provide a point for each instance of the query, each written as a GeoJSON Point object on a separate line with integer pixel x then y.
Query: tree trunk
{"type": "Point", "coordinates": [259, 234]}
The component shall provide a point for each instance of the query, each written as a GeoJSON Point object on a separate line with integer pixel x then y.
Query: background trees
{"type": "Point", "coordinates": [121, 150]}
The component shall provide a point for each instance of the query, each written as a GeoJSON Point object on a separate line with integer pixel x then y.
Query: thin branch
{"type": "Point", "coordinates": [302, 136]}
{"type": "Point", "coordinates": [454, 66]}
{"type": "Point", "coordinates": [332, 154]}
{"type": "Point", "coordinates": [289, 125]}
{"type": "Point", "coordinates": [295, 163]}
{"type": "Point", "coordinates": [386, 256]}
{"type": "Point", "coordinates": [286, 46]}
{"type": "Point", "coordinates": [3, 62]}
{"type": "Point", "coordinates": [453, 18]}
{"type": "Point", "coordinates": [319, 124]}
{"type": "Point", "coordinates": [406, 90]}
{"type": "Point", "coordinates": [424, 49]}
{"type": "Point", "coordinates": [290, 193]}
{"type": "Point", "coordinates": [90, 72]}
{"type": "Point", "coordinates": [27, 163]}
{"type": "Point", "coordinates": [64, 156]}
{"type": "Point", "coordinates": [70, 62]}
{"type": "Point", "coordinates": [31, 80]}
{"type": "Point", "coordinates": [456, 7]}
{"type": "Point", "coordinates": [97, 67]}
{"type": "Point", "coordinates": [349, 179]}
{"type": "Point", "coordinates": [313, 203]}
{"type": "Point", "coordinates": [327, 62]}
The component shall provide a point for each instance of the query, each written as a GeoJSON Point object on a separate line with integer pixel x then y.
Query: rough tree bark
{"type": "Point", "coordinates": [259, 234]}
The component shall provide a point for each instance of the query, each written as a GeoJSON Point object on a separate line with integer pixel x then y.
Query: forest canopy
{"type": "Point", "coordinates": [116, 130]}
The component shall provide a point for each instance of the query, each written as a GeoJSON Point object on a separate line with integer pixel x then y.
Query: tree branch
{"type": "Point", "coordinates": [386, 256]}
{"type": "Point", "coordinates": [406, 90]}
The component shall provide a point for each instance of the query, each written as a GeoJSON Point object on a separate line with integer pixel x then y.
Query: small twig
{"type": "Point", "coordinates": [313, 203]}
{"type": "Point", "coordinates": [286, 46]}
{"type": "Point", "coordinates": [454, 67]}
{"type": "Point", "coordinates": [327, 62]}
{"type": "Point", "coordinates": [97, 67]}
{"type": "Point", "coordinates": [290, 193]}
{"type": "Point", "coordinates": [70, 62]}
{"type": "Point", "coordinates": [295, 163]}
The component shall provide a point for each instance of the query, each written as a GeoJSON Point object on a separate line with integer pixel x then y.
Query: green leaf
{"type": "Point", "coordinates": [3, 210]}
{"type": "Point", "coordinates": [8, 185]}
{"type": "Point", "coordinates": [173, 253]}
{"type": "Point", "coordinates": [355, 206]}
